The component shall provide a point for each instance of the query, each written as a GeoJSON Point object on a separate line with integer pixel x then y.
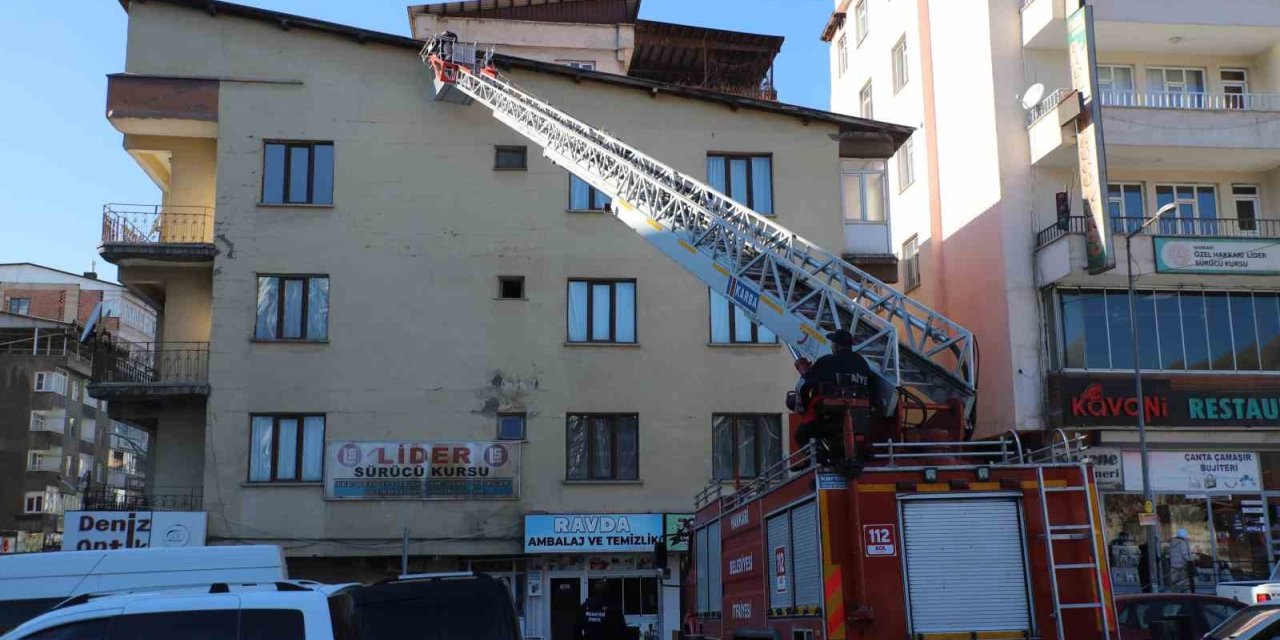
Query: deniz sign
{"type": "Point", "coordinates": [1088, 402]}
{"type": "Point", "coordinates": [604, 532]}
{"type": "Point", "coordinates": [87, 530]}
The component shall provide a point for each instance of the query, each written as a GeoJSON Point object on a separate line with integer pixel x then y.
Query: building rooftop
{"type": "Point", "coordinates": [580, 11]}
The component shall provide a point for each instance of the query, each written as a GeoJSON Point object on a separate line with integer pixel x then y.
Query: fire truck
{"type": "Point", "coordinates": [912, 529]}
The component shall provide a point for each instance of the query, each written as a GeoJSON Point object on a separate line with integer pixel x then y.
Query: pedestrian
{"type": "Point", "coordinates": [597, 620]}
{"type": "Point", "coordinates": [1144, 567]}
{"type": "Point", "coordinates": [1181, 563]}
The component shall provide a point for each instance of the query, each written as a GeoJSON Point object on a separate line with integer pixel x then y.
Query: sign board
{"type": "Point", "coordinates": [832, 482]}
{"type": "Point", "coordinates": [8, 544]}
{"type": "Point", "coordinates": [535, 583]}
{"type": "Point", "coordinates": [85, 530]}
{"type": "Point", "coordinates": [1195, 471]}
{"type": "Point", "coordinates": [588, 533]}
{"type": "Point", "coordinates": [743, 295]}
{"type": "Point", "coordinates": [1147, 520]}
{"type": "Point", "coordinates": [1108, 470]}
{"type": "Point", "coordinates": [1090, 145]}
{"type": "Point", "coordinates": [674, 523]}
{"type": "Point", "coordinates": [1109, 401]}
{"type": "Point", "coordinates": [780, 569]}
{"type": "Point", "coordinates": [1235, 256]}
{"type": "Point", "coordinates": [422, 471]}
{"type": "Point", "coordinates": [880, 539]}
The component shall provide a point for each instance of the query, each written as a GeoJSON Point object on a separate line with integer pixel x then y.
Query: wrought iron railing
{"type": "Point", "coordinates": [1192, 100]}
{"type": "Point", "coordinates": [170, 363]}
{"type": "Point", "coordinates": [154, 499]}
{"type": "Point", "coordinates": [1048, 104]}
{"type": "Point", "coordinates": [156, 224]}
{"type": "Point", "coordinates": [1189, 227]}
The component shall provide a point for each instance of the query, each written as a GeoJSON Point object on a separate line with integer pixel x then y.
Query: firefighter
{"type": "Point", "coordinates": [842, 371]}
{"type": "Point", "coordinates": [597, 620]}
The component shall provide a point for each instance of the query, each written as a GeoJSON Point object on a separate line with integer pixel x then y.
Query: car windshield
{"type": "Point", "coordinates": [1243, 622]}
{"type": "Point", "coordinates": [472, 608]}
{"type": "Point", "coordinates": [1275, 573]}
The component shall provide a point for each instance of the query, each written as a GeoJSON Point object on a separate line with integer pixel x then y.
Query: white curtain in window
{"type": "Point", "coordinates": [260, 450]}
{"type": "Point", "coordinates": [577, 455]}
{"type": "Point", "coordinates": [762, 184]}
{"type": "Point", "coordinates": [741, 325]}
{"type": "Point", "coordinates": [318, 309]}
{"type": "Point", "coordinates": [715, 172]}
{"type": "Point", "coordinates": [628, 435]}
{"type": "Point", "coordinates": [292, 309]}
{"type": "Point", "coordinates": [722, 447]}
{"type": "Point", "coordinates": [600, 312]}
{"type": "Point", "coordinates": [267, 308]}
{"type": "Point", "coordinates": [738, 180]}
{"type": "Point", "coordinates": [719, 317]}
{"type": "Point", "coordinates": [625, 292]}
{"type": "Point", "coordinates": [601, 448]}
{"type": "Point", "coordinates": [287, 456]}
{"type": "Point", "coordinates": [577, 312]}
{"type": "Point", "coordinates": [312, 448]}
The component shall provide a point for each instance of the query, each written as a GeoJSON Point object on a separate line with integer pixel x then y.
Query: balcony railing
{"type": "Point", "coordinates": [48, 423]}
{"type": "Point", "coordinates": [156, 499]}
{"type": "Point", "coordinates": [1047, 104]}
{"type": "Point", "coordinates": [153, 363]}
{"type": "Point", "coordinates": [1192, 100]}
{"type": "Point", "coordinates": [1190, 227]}
{"type": "Point", "coordinates": [47, 461]}
{"type": "Point", "coordinates": [156, 224]}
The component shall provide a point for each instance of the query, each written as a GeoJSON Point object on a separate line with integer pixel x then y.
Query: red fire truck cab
{"type": "Point", "coordinates": [943, 540]}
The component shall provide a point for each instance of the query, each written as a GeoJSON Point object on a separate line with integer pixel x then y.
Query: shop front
{"type": "Point", "coordinates": [1214, 466]}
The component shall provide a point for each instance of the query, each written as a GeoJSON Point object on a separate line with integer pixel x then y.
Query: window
{"type": "Point", "coordinates": [603, 447]}
{"type": "Point", "coordinates": [900, 73]}
{"type": "Point", "coordinates": [911, 263]}
{"type": "Point", "coordinates": [75, 390]}
{"type": "Point", "coordinates": [511, 426]}
{"type": "Point", "coordinates": [1125, 203]}
{"type": "Point", "coordinates": [862, 190]}
{"type": "Point", "coordinates": [865, 108]}
{"type": "Point", "coordinates": [89, 430]}
{"type": "Point", "coordinates": [746, 178]}
{"type": "Point", "coordinates": [589, 65]}
{"type": "Point", "coordinates": [730, 324]}
{"type": "Point", "coordinates": [584, 197]}
{"type": "Point", "coordinates": [20, 306]}
{"type": "Point", "coordinates": [602, 311]}
{"type": "Point", "coordinates": [219, 624]}
{"type": "Point", "coordinates": [286, 448]}
{"type": "Point", "coordinates": [860, 24]}
{"type": "Point", "coordinates": [1235, 84]}
{"type": "Point", "coordinates": [1175, 88]}
{"type": "Point", "coordinates": [1247, 204]}
{"type": "Point", "coordinates": [1197, 209]}
{"type": "Point", "coordinates": [842, 55]}
{"type": "Point", "coordinates": [636, 596]}
{"type": "Point", "coordinates": [1177, 330]}
{"type": "Point", "coordinates": [271, 624]}
{"type": "Point", "coordinates": [33, 502]}
{"type": "Point", "coordinates": [511, 287]}
{"type": "Point", "coordinates": [292, 308]}
{"type": "Point", "coordinates": [744, 445]}
{"type": "Point", "coordinates": [1115, 85]}
{"type": "Point", "coordinates": [86, 466]}
{"type": "Point", "coordinates": [51, 382]}
{"type": "Point", "coordinates": [511, 158]}
{"type": "Point", "coordinates": [298, 173]}
{"type": "Point", "coordinates": [95, 629]}
{"type": "Point", "coordinates": [906, 164]}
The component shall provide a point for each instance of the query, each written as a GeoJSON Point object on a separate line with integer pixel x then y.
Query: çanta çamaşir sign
{"type": "Point", "coordinates": [607, 532]}
{"type": "Point", "coordinates": [1087, 402]}
{"type": "Point", "coordinates": [421, 471]}
{"type": "Point", "coordinates": [1194, 471]}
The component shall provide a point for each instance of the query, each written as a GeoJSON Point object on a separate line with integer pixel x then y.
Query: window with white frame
{"type": "Point", "coordinates": [1125, 204]}
{"type": "Point", "coordinates": [20, 306]}
{"type": "Point", "coordinates": [1247, 206]}
{"type": "Point", "coordinates": [601, 311]}
{"type": "Point", "coordinates": [862, 189]}
{"type": "Point", "coordinates": [1175, 88]}
{"type": "Point", "coordinates": [900, 73]}
{"type": "Point", "coordinates": [744, 445]}
{"type": "Point", "coordinates": [865, 107]}
{"type": "Point", "coordinates": [33, 502]}
{"type": "Point", "coordinates": [89, 430]}
{"type": "Point", "coordinates": [44, 460]}
{"type": "Point", "coordinates": [286, 448]}
{"type": "Point", "coordinates": [730, 325]}
{"type": "Point", "coordinates": [1115, 85]}
{"type": "Point", "coordinates": [860, 22]}
{"type": "Point", "coordinates": [906, 164]}
{"type": "Point", "coordinates": [1235, 84]}
{"type": "Point", "coordinates": [51, 382]}
{"type": "Point", "coordinates": [86, 466]}
{"type": "Point", "coordinates": [911, 263]}
{"type": "Point", "coordinates": [842, 55]}
{"type": "Point", "coordinates": [1196, 212]}
{"type": "Point", "coordinates": [75, 390]}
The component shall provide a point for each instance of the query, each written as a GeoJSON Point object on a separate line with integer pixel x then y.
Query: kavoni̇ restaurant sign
{"type": "Point", "coordinates": [606, 532]}
{"type": "Point", "coordinates": [421, 471]}
{"type": "Point", "coordinates": [1111, 402]}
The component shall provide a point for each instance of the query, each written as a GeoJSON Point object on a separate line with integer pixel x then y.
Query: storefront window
{"type": "Point", "coordinates": [1125, 537]}
{"type": "Point", "coordinates": [634, 596]}
{"type": "Point", "coordinates": [1177, 513]}
{"type": "Point", "coordinates": [1240, 533]}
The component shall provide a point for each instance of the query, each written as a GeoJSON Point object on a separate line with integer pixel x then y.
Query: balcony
{"type": "Point", "coordinates": [45, 461]}
{"type": "Point", "coordinates": [156, 499]}
{"type": "Point", "coordinates": [48, 422]}
{"type": "Point", "coordinates": [151, 370]}
{"type": "Point", "coordinates": [1188, 27]}
{"type": "Point", "coordinates": [134, 235]}
{"type": "Point", "coordinates": [866, 246]}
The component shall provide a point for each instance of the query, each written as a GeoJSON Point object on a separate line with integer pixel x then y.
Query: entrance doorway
{"type": "Point", "coordinates": [566, 599]}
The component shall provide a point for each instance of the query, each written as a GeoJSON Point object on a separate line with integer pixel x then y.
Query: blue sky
{"type": "Point", "coordinates": [60, 160]}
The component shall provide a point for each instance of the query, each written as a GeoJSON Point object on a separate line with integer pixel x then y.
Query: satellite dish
{"type": "Point", "coordinates": [1032, 96]}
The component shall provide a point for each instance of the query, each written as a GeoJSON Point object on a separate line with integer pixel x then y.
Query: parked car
{"type": "Point", "coordinates": [1259, 622]}
{"type": "Point", "coordinates": [1138, 611]}
{"type": "Point", "coordinates": [1253, 591]}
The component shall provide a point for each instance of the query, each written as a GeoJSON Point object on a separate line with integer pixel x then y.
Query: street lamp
{"type": "Point", "coordinates": [1148, 498]}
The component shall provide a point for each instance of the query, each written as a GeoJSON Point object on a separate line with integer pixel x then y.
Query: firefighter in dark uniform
{"type": "Point", "coordinates": [599, 621]}
{"type": "Point", "coordinates": [842, 372]}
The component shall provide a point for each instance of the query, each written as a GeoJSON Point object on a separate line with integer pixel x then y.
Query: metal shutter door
{"type": "Point", "coordinates": [779, 536]}
{"type": "Point", "coordinates": [714, 562]}
{"type": "Point", "coordinates": [702, 576]}
{"type": "Point", "coordinates": [964, 566]}
{"type": "Point", "coordinates": [807, 582]}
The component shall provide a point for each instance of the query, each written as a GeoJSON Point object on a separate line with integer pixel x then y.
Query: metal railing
{"type": "Point", "coordinates": [156, 224]}
{"type": "Point", "coordinates": [799, 461]}
{"type": "Point", "coordinates": [1189, 227]}
{"type": "Point", "coordinates": [1192, 100]}
{"type": "Point", "coordinates": [169, 363]}
{"type": "Point", "coordinates": [33, 342]}
{"type": "Point", "coordinates": [1048, 104]}
{"type": "Point", "coordinates": [48, 423]}
{"type": "Point", "coordinates": [46, 461]}
{"type": "Point", "coordinates": [155, 499]}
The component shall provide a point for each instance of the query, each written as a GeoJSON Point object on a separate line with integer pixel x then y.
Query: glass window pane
{"type": "Point", "coordinates": [273, 175]}
{"type": "Point", "coordinates": [268, 310]}
{"type": "Point", "coordinates": [1169, 317]}
{"type": "Point", "coordinates": [1195, 80]}
{"type": "Point", "coordinates": [875, 197]}
{"type": "Point", "coordinates": [762, 185]}
{"type": "Point", "coordinates": [511, 427]}
{"type": "Point", "coordinates": [312, 448]}
{"type": "Point", "coordinates": [649, 596]}
{"type": "Point", "coordinates": [1246, 213]}
{"type": "Point", "coordinates": [738, 181]}
{"type": "Point", "coordinates": [1155, 80]}
{"type": "Point", "coordinates": [322, 192]}
{"type": "Point", "coordinates": [579, 194]}
{"type": "Point", "coordinates": [770, 440]}
{"type": "Point", "coordinates": [601, 448]}
{"type": "Point", "coordinates": [1218, 315]}
{"type": "Point", "coordinates": [272, 624]}
{"type": "Point", "coordinates": [1122, 78]}
{"type": "Point", "coordinates": [745, 433]}
{"type": "Point", "coordinates": [1148, 347]}
{"type": "Point", "coordinates": [1073, 329]}
{"type": "Point", "coordinates": [260, 450]}
{"type": "Point", "coordinates": [601, 316]}
{"type": "Point", "coordinates": [1118, 323]}
{"type": "Point", "coordinates": [598, 199]}
{"type": "Point", "coordinates": [577, 311]}
{"type": "Point", "coordinates": [576, 460]}
{"type": "Point", "coordinates": [716, 173]}
{"type": "Point", "coordinates": [1244, 333]}
{"type": "Point", "coordinates": [852, 187]}
{"type": "Point", "coordinates": [1195, 336]}
{"type": "Point", "coordinates": [631, 596]}
{"type": "Point", "coordinates": [1133, 205]}
{"type": "Point", "coordinates": [628, 435]}
{"type": "Point", "coordinates": [292, 309]}
{"type": "Point", "coordinates": [741, 325]}
{"type": "Point", "coordinates": [625, 292]}
{"type": "Point", "coordinates": [1096, 341]}
{"type": "Point", "coordinates": [719, 317]}
{"type": "Point", "coordinates": [722, 447]}
{"type": "Point", "coordinates": [1266, 310]}
{"type": "Point", "coordinates": [318, 308]}
{"type": "Point", "coordinates": [299, 176]}
{"type": "Point", "coordinates": [764, 335]}
{"type": "Point", "coordinates": [287, 456]}
{"type": "Point", "coordinates": [219, 624]}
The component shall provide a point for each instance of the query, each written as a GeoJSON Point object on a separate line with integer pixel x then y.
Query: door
{"type": "Point", "coordinates": [566, 600]}
{"type": "Point", "coordinates": [965, 566]}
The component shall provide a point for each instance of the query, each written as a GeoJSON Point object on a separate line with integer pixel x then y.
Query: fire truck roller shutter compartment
{"type": "Point", "coordinates": [781, 595]}
{"type": "Point", "coordinates": [808, 566]}
{"type": "Point", "coordinates": [965, 565]}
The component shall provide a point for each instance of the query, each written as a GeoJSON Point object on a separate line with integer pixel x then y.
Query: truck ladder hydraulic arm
{"type": "Point", "coordinates": [794, 287]}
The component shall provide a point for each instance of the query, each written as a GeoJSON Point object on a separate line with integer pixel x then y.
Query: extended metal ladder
{"type": "Point", "coordinates": [790, 285]}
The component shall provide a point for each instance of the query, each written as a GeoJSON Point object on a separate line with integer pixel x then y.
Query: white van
{"type": "Point", "coordinates": [31, 583]}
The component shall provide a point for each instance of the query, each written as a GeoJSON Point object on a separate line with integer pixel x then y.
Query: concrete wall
{"type": "Point", "coordinates": [609, 46]}
{"type": "Point", "coordinates": [420, 228]}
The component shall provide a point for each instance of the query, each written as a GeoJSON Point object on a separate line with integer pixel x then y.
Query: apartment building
{"type": "Point", "coordinates": [1188, 92]}
{"type": "Point", "coordinates": [36, 290]}
{"type": "Point", "coordinates": [383, 275]}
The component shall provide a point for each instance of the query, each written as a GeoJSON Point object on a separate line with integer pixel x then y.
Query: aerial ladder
{"type": "Point", "coordinates": [795, 288]}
